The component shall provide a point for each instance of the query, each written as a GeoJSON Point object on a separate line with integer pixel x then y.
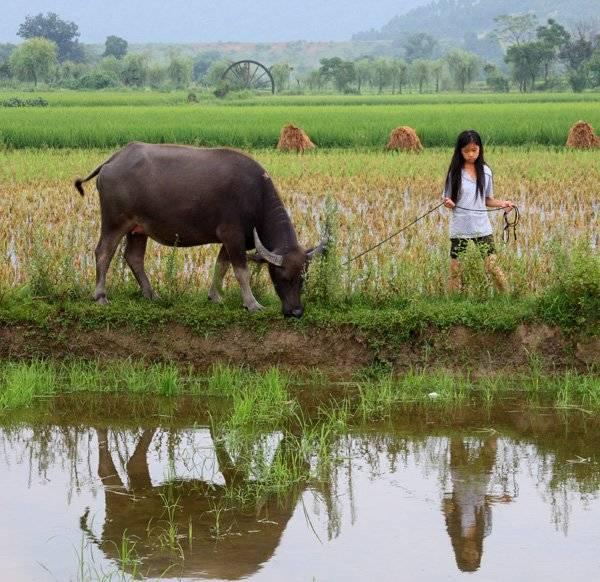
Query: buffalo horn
{"type": "Point", "coordinates": [319, 248]}
{"type": "Point", "coordinates": [272, 258]}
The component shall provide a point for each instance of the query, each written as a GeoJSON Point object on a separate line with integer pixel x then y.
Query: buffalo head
{"type": "Point", "coordinates": [287, 273]}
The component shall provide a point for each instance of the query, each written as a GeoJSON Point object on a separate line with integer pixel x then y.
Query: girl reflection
{"type": "Point", "coordinates": [467, 509]}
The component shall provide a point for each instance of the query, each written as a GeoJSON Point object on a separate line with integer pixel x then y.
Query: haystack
{"type": "Point", "coordinates": [404, 138]}
{"type": "Point", "coordinates": [582, 136]}
{"type": "Point", "coordinates": [294, 138]}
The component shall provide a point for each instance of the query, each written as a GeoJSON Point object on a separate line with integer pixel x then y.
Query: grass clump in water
{"type": "Point", "coordinates": [25, 381]}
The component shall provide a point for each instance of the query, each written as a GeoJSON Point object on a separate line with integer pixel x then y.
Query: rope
{"type": "Point", "coordinates": [505, 233]}
{"type": "Point", "coordinates": [393, 235]}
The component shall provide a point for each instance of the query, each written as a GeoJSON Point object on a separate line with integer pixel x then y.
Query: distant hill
{"type": "Point", "coordinates": [456, 19]}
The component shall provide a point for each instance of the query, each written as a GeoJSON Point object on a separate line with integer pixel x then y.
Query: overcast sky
{"type": "Point", "coordinates": [209, 20]}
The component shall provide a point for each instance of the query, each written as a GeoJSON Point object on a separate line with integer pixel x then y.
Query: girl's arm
{"type": "Point", "coordinates": [496, 203]}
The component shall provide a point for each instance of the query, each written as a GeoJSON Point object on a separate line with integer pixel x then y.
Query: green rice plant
{"type": "Point", "coordinates": [83, 375]}
{"type": "Point", "coordinates": [169, 536]}
{"type": "Point", "coordinates": [129, 561]}
{"type": "Point", "coordinates": [264, 401]}
{"type": "Point", "coordinates": [167, 379]}
{"type": "Point", "coordinates": [377, 398]}
{"type": "Point", "coordinates": [223, 379]}
{"type": "Point", "coordinates": [326, 122]}
{"type": "Point", "coordinates": [22, 382]}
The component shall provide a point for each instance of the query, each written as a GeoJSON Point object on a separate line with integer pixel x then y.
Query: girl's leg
{"type": "Point", "coordinates": [455, 281]}
{"type": "Point", "coordinates": [497, 273]}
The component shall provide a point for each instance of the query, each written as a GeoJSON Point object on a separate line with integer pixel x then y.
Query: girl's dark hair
{"type": "Point", "coordinates": [454, 177]}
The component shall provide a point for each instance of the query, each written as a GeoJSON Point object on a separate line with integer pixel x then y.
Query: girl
{"type": "Point", "coordinates": [468, 191]}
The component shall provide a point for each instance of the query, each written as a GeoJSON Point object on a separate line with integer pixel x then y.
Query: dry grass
{"type": "Point", "coordinates": [582, 136]}
{"type": "Point", "coordinates": [376, 194]}
{"type": "Point", "coordinates": [404, 138]}
{"type": "Point", "coordinates": [294, 138]}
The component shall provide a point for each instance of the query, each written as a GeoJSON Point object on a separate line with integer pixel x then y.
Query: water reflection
{"type": "Point", "coordinates": [185, 526]}
{"type": "Point", "coordinates": [468, 508]}
{"type": "Point", "coordinates": [192, 503]}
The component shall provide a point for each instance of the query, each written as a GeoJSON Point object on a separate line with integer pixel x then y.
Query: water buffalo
{"type": "Point", "coordinates": [188, 196]}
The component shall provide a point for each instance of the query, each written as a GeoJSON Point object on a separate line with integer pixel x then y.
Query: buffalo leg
{"type": "Point", "coordinates": [221, 267]}
{"type": "Point", "coordinates": [237, 256]}
{"type": "Point", "coordinates": [135, 251]}
{"type": "Point", "coordinates": [104, 253]}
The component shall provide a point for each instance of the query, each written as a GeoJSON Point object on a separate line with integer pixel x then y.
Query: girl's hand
{"type": "Point", "coordinates": [448, 203]}
{"type": "Point", "coordinates": [508, 205]}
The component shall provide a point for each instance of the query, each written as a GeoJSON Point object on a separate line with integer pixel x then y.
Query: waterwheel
{"type": "Point", "coordinates": [250, 75]}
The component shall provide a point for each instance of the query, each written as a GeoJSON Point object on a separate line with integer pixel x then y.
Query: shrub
{"type": "Point", "coordinates": [97, 80]}
{"type": "Point", "coordinates": [574, 299]}
{"type": "Point", "coordinates": [17, 102]}
{"type": "Point", "coordinates": [222, 89]}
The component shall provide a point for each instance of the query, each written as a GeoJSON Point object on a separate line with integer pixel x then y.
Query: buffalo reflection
{"type": "Point", "coordinates": [216, 538]}
{"type": "Point", "coordinates": [467, 508]}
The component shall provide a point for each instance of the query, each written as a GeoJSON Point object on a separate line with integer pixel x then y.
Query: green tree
{"type": "Point", "coordinates": [70, 71]}
{"type": "Point", "coordinates": [34, 60]}
{"type": "Point", "coordinates": [63, 34]}
{"type": "Point", "coordinates": [281, 73]}
{"type": "Point", "coordinates": [436, 68]}
{"type": "Point", "coordinates": [553, 37]}
{"type": "Point", "coordinates": [202, 63]}
{"type": "Point", "coordinates": [593, 68]}
{"type": "Point", "coordinates": [342, 73]}
{"type": "Point", "coordinates": [180, 70]}
{"type": "Point", "coordinates": [112, 66]}
{"type": "Point", "coordinates": [157, 75]}
{"type": "Point", "coordinates": [463, 67]}
{"type": "Point", "coordinates": [314, 80]}
{"type": "Point", "coordinates": [382, 74]}
{"type": "Point", "coordinates": [575, 55]}
{"type": "Point", "coordinates": [215, 72]}
{"type": "Point", "coordinates": [526, 61]}
{"type": "Point", "coordinates": [398, 73]}
{"type": "Point", "coordinates": [363, 68]}
{"type": "Point", "coordinates": [515, 29]}
{"type": "Point", "coordinates": [495, 80]}
{"type": "Point", "coordinates": [420, 70]}
{"type": "Point", "coordinates": [115, 46]}
{"type": "Point", "coordinates": [419, 46]}
{"type": "Point", "coordinates": [135, 70]}
{"type": "Point", "coordinates": [5, 50]}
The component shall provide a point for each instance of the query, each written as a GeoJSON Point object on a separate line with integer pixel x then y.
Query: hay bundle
{"type": "Point", "coordinates": [583, 136]}
{"type": "Point", "coordinates": [404, 138]}
{"type": "Point", "coordinates": [294, 138]}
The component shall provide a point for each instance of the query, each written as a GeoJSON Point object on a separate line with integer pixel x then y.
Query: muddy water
{"type": "Point", "coordinates": [508, 495]}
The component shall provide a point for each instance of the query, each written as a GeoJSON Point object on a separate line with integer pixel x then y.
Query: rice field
{"type": "Point", "coordinates": [331, 122]}
{"type": "Point", "coordinates": [50, 232]}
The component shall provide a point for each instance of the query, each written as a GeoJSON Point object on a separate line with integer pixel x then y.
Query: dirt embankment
{"type": "Point", "coordinates": [336, 352]}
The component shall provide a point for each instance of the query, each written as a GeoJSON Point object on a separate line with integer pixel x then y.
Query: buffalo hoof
{"type": "Point", "coordinates": [254, 307]}
{"type": "Point", "coordinates": [297, 313]}
{"type": "Point", "coordinates": [215, 297]}
{"type": "Point", "coordinates": [102, 300]}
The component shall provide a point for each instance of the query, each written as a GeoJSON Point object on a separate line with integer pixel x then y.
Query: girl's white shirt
{"type": "Point", "coordinates": [466, 223]}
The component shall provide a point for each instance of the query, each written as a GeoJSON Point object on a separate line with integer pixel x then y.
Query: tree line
{"type": "Point", "coordinates": [536, 57]}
